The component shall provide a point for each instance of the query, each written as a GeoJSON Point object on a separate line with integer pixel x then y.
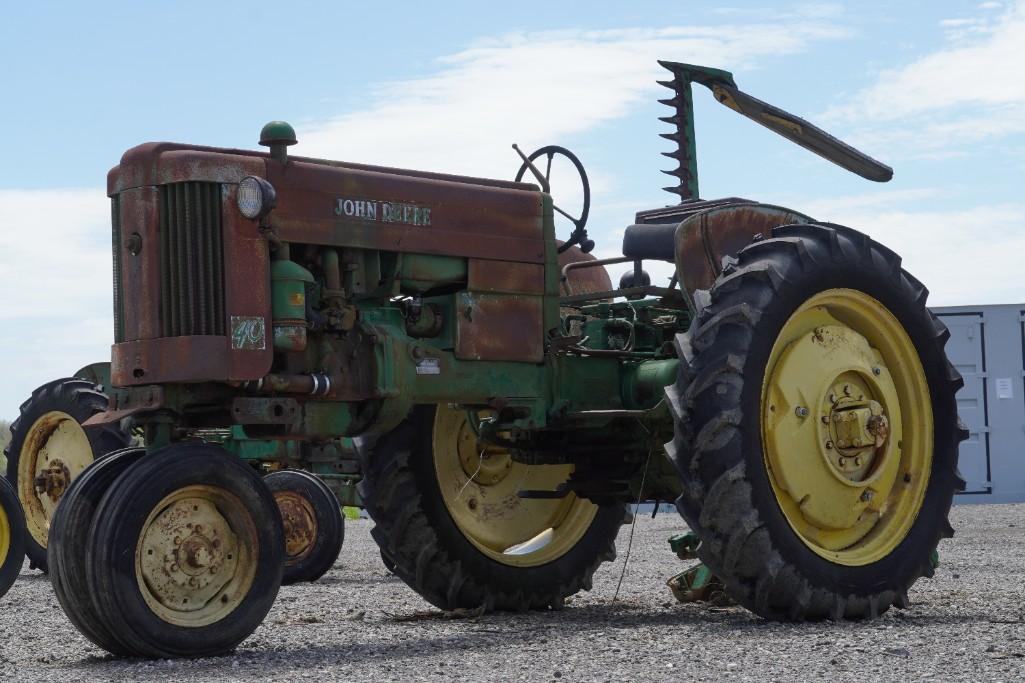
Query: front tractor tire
{"type": "Point", "coordinates": [313, 524]}
{"type": "Point", "coordinates": [49, 448]}
{"type": "Point", "coordinates": [816, 428]}
{"type": "Point", "coordinates": [173, 554]}
{"type": "Point", "coordinates": [450, 524]}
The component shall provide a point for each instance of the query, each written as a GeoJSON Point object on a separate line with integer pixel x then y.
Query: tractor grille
{"type": "Point", "coordinates": [119, 309]}
{"type": "Point", "coordinates": [191, 260]}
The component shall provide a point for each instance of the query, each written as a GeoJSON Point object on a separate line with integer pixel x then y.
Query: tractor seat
{"type": "Point", "coordinates": [652, 241]}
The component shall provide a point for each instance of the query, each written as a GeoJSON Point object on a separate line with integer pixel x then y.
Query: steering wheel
{"type": "Point", "coordinates": [579, 234]}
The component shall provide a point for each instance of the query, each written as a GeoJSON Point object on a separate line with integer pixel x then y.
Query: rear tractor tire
{"type": "Point", "coordinates": [49, 448]}
{"type": "Point", "coordinates": [12, 536]}
{"type": "Point", "coordinates": [450, 523]}
{"type": "Point", "coordinates": [816, 428]}
{"type": "Point", "coordinates": [313, 524]}
{"type": "Point", "coordinates": [183, 557]}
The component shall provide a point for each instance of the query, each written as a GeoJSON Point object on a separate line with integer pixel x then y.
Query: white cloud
{"type": "Point", "coordinates": [940, 104]}
{"type": "Point", "coordinates": [55, 285]}
{"type": "Point", "coordinates": [971, 256]}
{"type": "Point", "coordinates": [534, 88]}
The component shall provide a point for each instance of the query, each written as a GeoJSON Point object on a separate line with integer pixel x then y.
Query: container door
{"type": "Point", "coordinates": [966, 351]}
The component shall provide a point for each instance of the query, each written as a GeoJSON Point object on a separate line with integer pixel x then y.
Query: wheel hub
{"type": "Point", "coordinates": [857, 430]}
{"type": "Point", "coordinates": [299, 522]}
{"type": "Point", "coordinates": [188, 555]}
{"type": "Point", "coordinates": [484, 464]}
{"type": "Point", "coordinates": [53, 480]}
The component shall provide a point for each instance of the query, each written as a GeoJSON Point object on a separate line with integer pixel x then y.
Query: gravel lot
{"type": "Point", "coordinates": [360, 623]}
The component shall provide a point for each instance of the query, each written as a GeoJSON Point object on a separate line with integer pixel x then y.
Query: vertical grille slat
{"type": "Point", "coordinates": [191, 268]}
{"type": "Point", "coordinates": [119, 312]}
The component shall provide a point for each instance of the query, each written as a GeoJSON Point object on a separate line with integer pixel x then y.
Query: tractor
{"type": "Point", "coordinates": [507, 404]}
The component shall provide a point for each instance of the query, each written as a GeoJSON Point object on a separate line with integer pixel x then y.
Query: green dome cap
{"type": "Point", "coordinates": [277, 133]}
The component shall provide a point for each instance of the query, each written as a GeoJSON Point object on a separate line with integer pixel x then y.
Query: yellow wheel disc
{"type": "Point", "coordinates": [55, 451]}
{"type": "Point", "coordinates": [196, 556]}
{"type": "Point", "coordinates": [5, 536]}
{"type": "Point", "coordinates": [479, 485]}
{"type": "Point", "coordinates": [847, 427]}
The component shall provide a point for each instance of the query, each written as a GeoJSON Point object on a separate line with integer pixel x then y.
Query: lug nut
{"type": "Point", "coordinates": [801, 411]}
{"type": "Point", "coordinates": [876, 371]}
{"type": "Point", "coordinates": [829, 444]}
{"type": "Point", "coordinates": [866, 495]}
{"type": "Point", "coordinates": [472, 503]}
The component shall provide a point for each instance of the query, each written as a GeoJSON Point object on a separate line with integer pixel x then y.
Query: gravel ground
{"type": "Point", "coordinates": [360, 623]}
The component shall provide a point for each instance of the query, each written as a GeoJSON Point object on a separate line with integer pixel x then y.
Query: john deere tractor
{"type": "Point", "coordinates": [787, 387]}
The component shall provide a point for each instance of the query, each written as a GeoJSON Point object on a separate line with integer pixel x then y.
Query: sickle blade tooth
{"type": "Point", "coordinates": [669, 84]}
{"type": "Point", "coordinates": [675, 120]}
{"type": "Point", "coordinates": [673, 102]}
{"type": "Point", "coordinates": [675, 137]}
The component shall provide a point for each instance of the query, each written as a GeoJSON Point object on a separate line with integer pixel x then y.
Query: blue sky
{"type": "Point", "coordinates": [932, 88]}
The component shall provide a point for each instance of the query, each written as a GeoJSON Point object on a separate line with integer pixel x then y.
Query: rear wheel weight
{"type": "Point", "coordinates": [185, 553]}
{"type": "Point", "coordinates": [799, 514]}
{"type": "Point", "coordinates": [49, 448]}
{"type": "Point", "coordinates": [12, 536]}
{"type": "Point", "coordinates": [313, 524]}
{"type": "Point", "coordinates": [455, 562]}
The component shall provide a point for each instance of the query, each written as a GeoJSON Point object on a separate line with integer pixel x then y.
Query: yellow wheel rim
{"type": "Point", "coordinates": [479, 485]}
{"type": "Point", "coordinates": [847, 427]}
{"type": "Point", "coordinates": [196, 556]}
{"type": "Point", "coordinates": [5, 536]}
{"type": "Point", "coordinates": [300, 525]}
{"type": "Point", "coordinates": [54, 452]}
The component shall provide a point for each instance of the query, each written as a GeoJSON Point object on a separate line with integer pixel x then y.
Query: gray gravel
{"type": "Point", "coordinates": [360, 623]}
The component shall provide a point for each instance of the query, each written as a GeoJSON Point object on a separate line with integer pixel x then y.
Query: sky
{"type": "Point", "coordinates": [934, 89]}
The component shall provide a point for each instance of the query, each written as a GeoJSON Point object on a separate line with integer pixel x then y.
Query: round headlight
{"type": "Point", "coordinates": [256, 197]}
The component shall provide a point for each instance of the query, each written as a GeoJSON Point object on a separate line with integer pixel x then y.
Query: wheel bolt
{"type": "Point", "coordinates": [866, 495]}
{"type": "Point", "coordinates": [857, 462]}
{"type": "Point", "coordinates": [876, 371]}
{"type": "Point", "coordinates": [829, 444]}
{"type": "Point", "coordinates": [801, 411]}
{"type": "Point", "coordinates": [472, 503]}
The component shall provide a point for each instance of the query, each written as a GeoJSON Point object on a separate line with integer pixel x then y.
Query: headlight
{"type": "Point", "coordinates": [256, 197]}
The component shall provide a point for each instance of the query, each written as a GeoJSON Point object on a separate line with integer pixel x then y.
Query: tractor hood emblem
{"type": "Point", "coordinates": [382, 212]}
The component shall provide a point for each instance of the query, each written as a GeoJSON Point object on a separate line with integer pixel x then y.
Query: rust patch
{"type": "Point", "coordinates": [703, 239]}
{"type": "Point", "coordinates": [506, 277]}
{"type": "Point", "coordinates": [500, 327]}
{"type": "Point", "coordinates": [170, 359]}
{"type": "Point", "coordinates": [584, 280]}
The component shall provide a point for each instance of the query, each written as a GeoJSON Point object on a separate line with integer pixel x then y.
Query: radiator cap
{"type": "Point", "coordinates": [277, 133]}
